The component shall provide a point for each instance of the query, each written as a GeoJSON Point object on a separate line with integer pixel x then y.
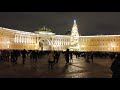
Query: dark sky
{"type": "Point", "coordinates": [89, 23]}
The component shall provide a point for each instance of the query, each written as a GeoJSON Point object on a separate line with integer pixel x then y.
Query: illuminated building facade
{"type": "Point", "coordinates": [44, 39]}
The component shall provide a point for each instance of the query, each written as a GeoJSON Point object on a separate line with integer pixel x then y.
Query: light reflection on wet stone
{"type": "Point", "coordinates": [78, 69]}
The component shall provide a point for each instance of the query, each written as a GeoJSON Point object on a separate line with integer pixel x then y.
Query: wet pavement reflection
{"type": "Point", "coordinates": [100, 68]}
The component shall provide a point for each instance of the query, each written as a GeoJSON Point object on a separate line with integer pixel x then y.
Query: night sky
{"type": "Point", "coordinates": [89, 23]}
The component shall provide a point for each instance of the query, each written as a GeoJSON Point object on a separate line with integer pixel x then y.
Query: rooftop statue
{"type": "Point", "coordinates": [44, 29]}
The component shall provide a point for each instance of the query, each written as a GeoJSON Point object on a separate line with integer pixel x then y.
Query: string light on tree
{"type": "Point", "coordinates": [74, 35]}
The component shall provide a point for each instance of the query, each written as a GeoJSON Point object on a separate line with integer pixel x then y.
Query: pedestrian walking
{"type": "Point", "coordinates": [51, 59]}
{"type": "Point", "coordinates": [24, 52]}
{"type": "Point", "coordinates": [67, 56]}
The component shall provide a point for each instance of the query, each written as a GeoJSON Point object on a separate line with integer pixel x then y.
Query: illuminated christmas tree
{"type": "Point", "coordinates": [74, 35]}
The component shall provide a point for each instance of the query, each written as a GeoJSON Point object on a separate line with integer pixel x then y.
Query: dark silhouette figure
{"type": "Point", "coordinates": [31, 56]}
{"type": "Point", "coordinates": [56, 56]}
{"type": "Point", "coordinates": [16, 54]}
{"type": "Point", "coordinates": [12, 57]}
{"type": "Point", "coordinates": [67, 56]}
{"type": "Point", "coordinates": [8, 55]}
{"type": "Point", "coordinates": [35, 56]}
{"type": "Point", "coordinates": [87, 58]}
{"type": "Point", "coordinates": [115, 67]}
{"type": "Point", "coordinates": [71, 56]}
{"type": "Point", "coordinates": [24, 52]}
{"type": "Point", "coordinates": [91, 56]}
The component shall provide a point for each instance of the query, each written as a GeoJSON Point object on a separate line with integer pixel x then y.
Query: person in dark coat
{"type": "Point", "coordinates": [115, 67]}
{"type": "Point", "coordinates": [71, 56]}
{"type": "Point", "coordinates": [56, 56]}
{"type": "Point", "coordinates": [16, 54]}
{"type": "Point", "coordinates": [67, 56]}
{"type": "Point", "coordinates": [91, 56]}
{"type": "Point", "coordinates": [12, 56]}
{"type": "Point", "coordinates": [24, 52]}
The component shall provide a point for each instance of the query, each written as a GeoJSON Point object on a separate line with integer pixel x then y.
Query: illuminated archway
{"type": "Point", "coordinates": [44, 44]}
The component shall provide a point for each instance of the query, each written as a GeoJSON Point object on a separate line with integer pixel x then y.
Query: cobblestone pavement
{"type": "Point", "coordinates": [100, 68]}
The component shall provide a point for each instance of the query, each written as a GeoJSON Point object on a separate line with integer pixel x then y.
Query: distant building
{"type": "Point", "coordinates": [45, 39]}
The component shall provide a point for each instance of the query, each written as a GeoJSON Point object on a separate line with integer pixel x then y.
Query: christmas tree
{"type": "Point", "coordinates": [74, 35]}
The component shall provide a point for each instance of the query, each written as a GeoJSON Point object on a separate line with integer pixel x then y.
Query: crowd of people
{"type": "Point", "coordinates": [53, 57]}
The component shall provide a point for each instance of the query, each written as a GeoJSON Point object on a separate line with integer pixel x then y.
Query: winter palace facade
{"type": "Point", "coordinates": [44, 39]}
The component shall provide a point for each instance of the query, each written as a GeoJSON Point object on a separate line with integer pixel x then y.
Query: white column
{"type": "Point", "coordinates": [15, 39]}
{"type": "Point", "coordinates": [20, 39]}
{"type": "Point", "coordinates": [63, 42]}
{"type": "Point", "coordinates": [58, 41]}
{"type": "Point", "coordinates": [53, 40]}
{"type": "Point", "coordinates": [32, 39]}
{"type": "Point", "coordinates": [29, 39]}
{"type": "Point", "coordinates": [67, 41]}
{"type": "Point", "coordinates": [25, 39]}
{"type": "Point", "coordinates": [36, 40]}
